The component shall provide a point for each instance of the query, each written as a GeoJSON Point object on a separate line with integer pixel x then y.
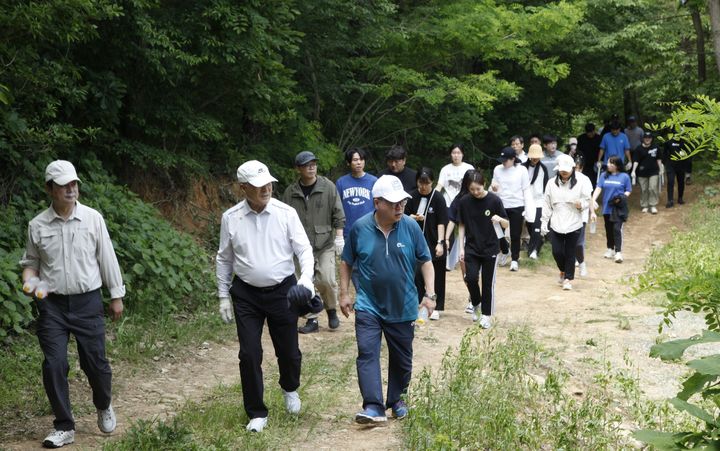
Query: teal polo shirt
{"type": "Point", "coordinates": [386, 267]}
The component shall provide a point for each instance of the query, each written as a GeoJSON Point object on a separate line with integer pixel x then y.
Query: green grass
{"type": "Point", "coordinates": [218, 421]}
{"type": "Point", "coordinates": [510, 394]}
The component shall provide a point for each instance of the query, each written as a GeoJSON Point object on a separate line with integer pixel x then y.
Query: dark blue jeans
{"type": "Point", "coordinates": [399, 337]}
{"type": "Point", "coordinates": [81, 315]}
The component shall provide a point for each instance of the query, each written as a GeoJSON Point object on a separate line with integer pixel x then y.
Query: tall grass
{"type": "Point", "coordinates": [496, 394]}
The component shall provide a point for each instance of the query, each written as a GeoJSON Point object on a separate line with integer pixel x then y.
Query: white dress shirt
{"type": "Point", "coordinates": [259, 247]}
{"type": "Point", "coordinates": [74, 256]}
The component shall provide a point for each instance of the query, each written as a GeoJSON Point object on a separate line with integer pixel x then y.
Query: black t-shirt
{"type": "Point", "coordinates": [589, 148]}
{"type": "Point", "coordinates": [407, 177]}
{"type": "Point", "coordinates": [307, 190]}
{"type": "Point", "coordinates": [475, 214]}
{"type": "Point", "coordinates": [646, 158]}
{"type": "Point", "coordinates": [671, 149]}
{"type": "Point", "coordinates": [435, 213]}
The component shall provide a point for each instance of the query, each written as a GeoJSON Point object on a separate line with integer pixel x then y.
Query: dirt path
{"type": "Point", "coordinates": [594, 321]}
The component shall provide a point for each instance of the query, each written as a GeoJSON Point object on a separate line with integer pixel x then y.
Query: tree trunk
{"type": "Point", "coordinates": [714, 10]}
{"type": "Point", "coordinates": [699, 44]}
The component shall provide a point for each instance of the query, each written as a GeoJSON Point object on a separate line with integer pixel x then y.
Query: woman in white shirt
{"type": "Point", "coordinates": [565, 200]}
{"type": "Point", "coordinates": [451, 175]}
{"type": "Point", "coordinates": [511, 183]}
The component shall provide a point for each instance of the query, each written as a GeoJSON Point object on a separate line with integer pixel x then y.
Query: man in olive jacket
{"type": "Point", "coordinates": [319, 206]}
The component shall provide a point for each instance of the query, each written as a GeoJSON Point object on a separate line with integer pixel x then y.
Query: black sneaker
{"type": "Point", "coordinates": [333, 320]}
{"type": "Point", "coordinates": [309, 327]}
{"type": "Point", "coordinates": [669, 204]}
{"type": "Point", "coordinates": [680, 201]}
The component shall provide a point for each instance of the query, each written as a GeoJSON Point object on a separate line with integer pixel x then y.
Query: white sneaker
{"type": "Point", "coordinates": [583, 269]}
{"type": "Point", "coordinates": [292, 402]}
{"type": "Point", "coordinates": [56, 439]}
{"type": "Point", "coordinates": [577, 263]}
{"type": "Point", "coordinates": [644, 210]}
{"type": "Point", "coordinates": [256, 424]}
{"type": "Point", "coordinates": [567, 286]}
{"type": "Point", "coordinates": [106, 419]}
{"type": "Point", "coordinates": [469, 307]}
{"type": "Point", "coordinates": [618, 257]}
{"type": "Point", "coordinates": [610, 253]}
{"type": "Point", "coordinates": [653, 210]}
{"type": "Point", "coordinates": [435, 315]}
{"type": "Point", "coordinates": [533, 255]}
{"type": "Point", "coordinates": [503, 259]}
{"type": "Point", "coordinates": [476, 312]}
{"type": "Point", "coordinates": [514, 266]}
{"type": "Point", "coordinates": [485, 322]}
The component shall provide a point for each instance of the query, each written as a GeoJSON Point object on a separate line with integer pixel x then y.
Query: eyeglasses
{"type": "Point", "coordinates": [400, 204]}
{"type": "Point", "coordinates": [312, 164]}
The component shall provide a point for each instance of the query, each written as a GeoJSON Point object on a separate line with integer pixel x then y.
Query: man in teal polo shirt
{"type": "Point", "coordinates": [385, 246]}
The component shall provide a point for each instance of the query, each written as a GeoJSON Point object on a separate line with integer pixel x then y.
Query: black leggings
{"type": "Point", "coordinates": [563, 250]}
{"type": "Point", "coordinates": [672, 174]}
{"type": "Point", "coordinates": [439, 267]}
{"type": "Point", "coordinates": [515, 216]}
{"type": "Point", "coordinates": [536, 239]}
{"type": "Point", "coordinates": [613, 234]}
{"type": "Point", "coordinates": [485, 266]}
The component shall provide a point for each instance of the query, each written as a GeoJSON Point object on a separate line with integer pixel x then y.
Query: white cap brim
{"type": "Point", "coordinates": [65, 179]}
{"type": "Point", "coordinates": [396, 196]}
{"type": "Point", "coordinates": [262, 180]}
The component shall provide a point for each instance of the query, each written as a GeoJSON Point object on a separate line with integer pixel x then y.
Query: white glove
{"type": "Point", "coordinates": [307, 283]}
{"type": "Point", "coordinates": [226, 311]}
{"type": "Point", "coordinates": [544, 229]}
{"type": "Point", "coordinates": [339, 245]}
{"type": "Point", "coordinates": [30, 285]}
{"type": "Point", "coordinates": [628, 166]}
{"type": "Point", "coordinates": [598, 165]}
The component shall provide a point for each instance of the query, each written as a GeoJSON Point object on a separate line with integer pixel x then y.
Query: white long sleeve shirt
{"type": "Point", "coordinates": [259, 247]}
{"type": "Point", "coordinates": [74, 256]}
{"type": "Point", "coordinates": [559, 207]}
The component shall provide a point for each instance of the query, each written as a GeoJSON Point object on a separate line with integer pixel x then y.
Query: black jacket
{"type": "Point", "coordinates": [620, 209]}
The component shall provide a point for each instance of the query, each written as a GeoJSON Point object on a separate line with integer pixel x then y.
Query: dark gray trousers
{"type": "Point", "coordinates": [82, 316]}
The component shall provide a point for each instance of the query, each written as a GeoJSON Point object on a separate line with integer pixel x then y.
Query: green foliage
{"type": "Point", "coordinates": [696, 289]}
{"type": "Point", "coordinates": [499, 395]}
{"type": "Point", "coordinates": [690, 280]}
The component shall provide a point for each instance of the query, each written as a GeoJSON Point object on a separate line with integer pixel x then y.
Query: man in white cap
{"type": "Point", "coordinates": [68, 257]}
{"type": "Point", "coordinates": [385, 247]}
{"type": "Point", "coordinates": [255, 272]}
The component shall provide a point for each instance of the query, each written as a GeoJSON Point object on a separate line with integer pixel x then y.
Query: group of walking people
{"type": "Point", "coordinates": [396, 235]}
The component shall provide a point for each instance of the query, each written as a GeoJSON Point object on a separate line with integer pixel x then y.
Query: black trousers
{"type": "Point", "coordinates": [515, 216]}
{"type": "Point", "coordinates": [252, 306]}
{"type": "Point", "coordinates": [673, 173]}
{"type": "Point", "coordinates": [563, 250]}
{"type": "Point", "coordinates": [613, 234]}
{"type": "Point", "coordinates": [81, 315]}
{"type": "Point", "coordinates": [474, 268]}
{"type": "Point", "coordinates": [439, 267]}
{"type": "Point", "coordinates": [536, 239]}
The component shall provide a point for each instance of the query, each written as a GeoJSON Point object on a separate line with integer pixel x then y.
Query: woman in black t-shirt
{"type": "Point", "coordinates": [428, 208]}
{"type": "Point", "coordinates": [478, 214]}
{"type": "Point", "coordinates": [647, 159]}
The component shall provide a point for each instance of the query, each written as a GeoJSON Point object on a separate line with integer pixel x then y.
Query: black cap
{"type": "Point", "coordinates": [632, 119]}
{"type": "Point", "coordinates": [507, 153]}
{"type": "Point", "coordinates": [304, 158]}
{"type": "Point", "coordinates": [647, 135]}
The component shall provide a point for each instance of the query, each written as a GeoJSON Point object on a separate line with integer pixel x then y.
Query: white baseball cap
{"type": "Point", "coordinates": [61, 172]}
{"type": "Point", "coordinates": [254, 173]}
{"type": "Point", "coordinates": [389, 188]}
{"type": "Point", "coordinates": [565, 163]}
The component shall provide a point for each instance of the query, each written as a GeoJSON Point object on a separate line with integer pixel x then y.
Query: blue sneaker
{"type": "Point", "coordinates": [400, 410]}
{"type": "Point", "coordinates": [370, 415]}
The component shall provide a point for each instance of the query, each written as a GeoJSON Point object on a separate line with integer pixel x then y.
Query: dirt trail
{"type": "Point", "coordinates": [580, 324]}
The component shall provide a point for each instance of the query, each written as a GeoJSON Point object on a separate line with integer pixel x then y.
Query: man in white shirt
{"type": "Point", "coordinates": [258, 238]}
{"type": "Point", "coordinates": [68, 257]}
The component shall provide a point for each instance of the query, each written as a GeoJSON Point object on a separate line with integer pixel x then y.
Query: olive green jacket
{"type": "Point", "coordinates": [321, 213]}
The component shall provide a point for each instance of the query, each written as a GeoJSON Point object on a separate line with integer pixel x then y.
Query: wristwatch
{"type": "Point", "coordinates": [441, 242]}
{"type": "Point", "coordinates": [432, 297]}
